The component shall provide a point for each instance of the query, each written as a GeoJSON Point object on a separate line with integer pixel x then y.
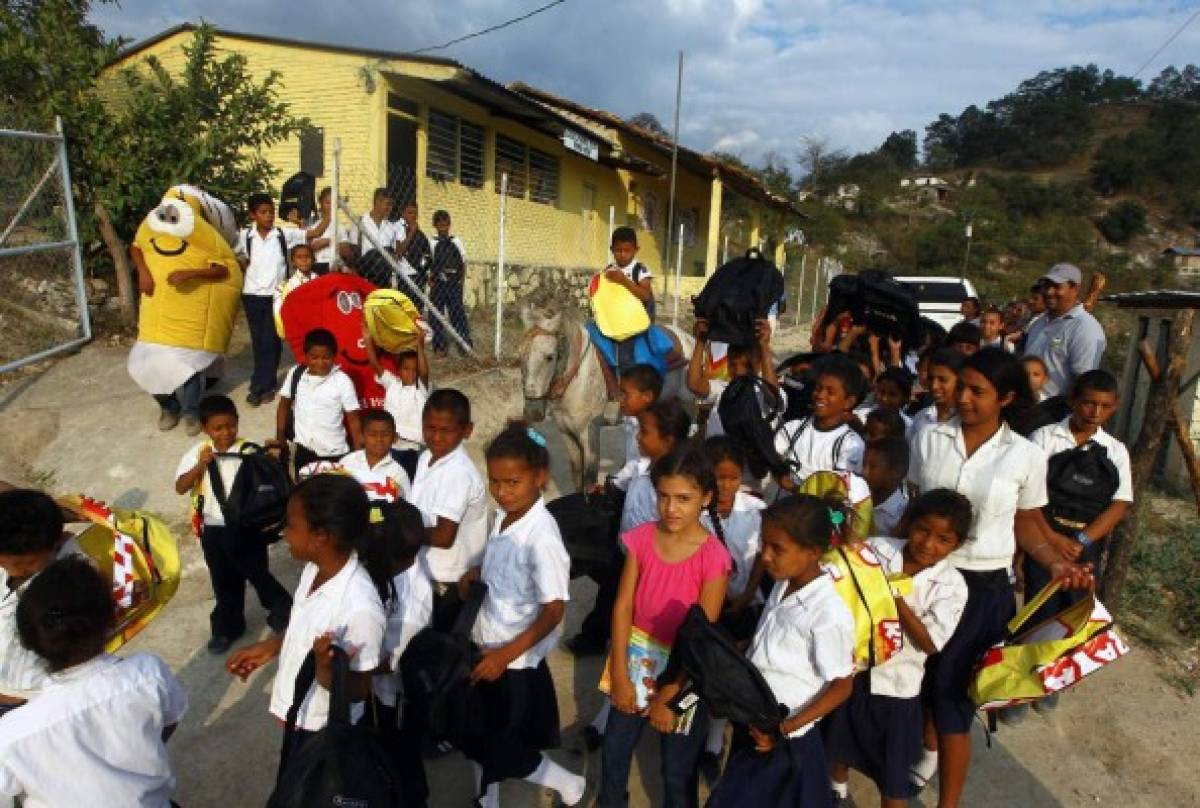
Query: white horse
{"type": "Point", "coordinates": [561, 367]}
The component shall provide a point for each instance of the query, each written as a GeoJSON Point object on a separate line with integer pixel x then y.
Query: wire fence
{"type": "Point", "coordinates": [43, 310]}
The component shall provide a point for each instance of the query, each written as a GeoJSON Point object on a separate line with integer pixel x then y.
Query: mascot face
{"type": "Point", "coordinates": [335, 302]}
{"type": "Point", "coordinates": [172, 222]}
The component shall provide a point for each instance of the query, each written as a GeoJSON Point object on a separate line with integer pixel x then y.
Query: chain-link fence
{"type": "Point", "coordinates": [43, 309]}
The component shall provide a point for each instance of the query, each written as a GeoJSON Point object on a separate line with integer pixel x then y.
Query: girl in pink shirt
{"type": "Point", "coordinates": [669, 565]}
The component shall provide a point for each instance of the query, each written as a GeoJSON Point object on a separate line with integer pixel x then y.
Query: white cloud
{"type": "Point", "coordinates": [759, 73]}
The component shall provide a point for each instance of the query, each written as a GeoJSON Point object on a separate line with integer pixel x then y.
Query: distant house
{"type": "Point", "coordinates": [1185, 259]}
{"type": "Point", "coordinates": [933, 189]}
{"type": "Point", "coordinates": [846, 196]}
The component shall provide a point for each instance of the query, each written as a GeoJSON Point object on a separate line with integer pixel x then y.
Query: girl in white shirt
{"type": "Point", "coordinates": [944, 365]}
{"type": "Point", "coordinates": [804, 647]}
{"type": "Point", "coordinates": [527, 573]}
{"type": "Point", "coordinates": [878, 731]}
{"type": "Point", "coordinates": [396, 534]}
{"type": "Point", "coordinates": [1004, 476]}
{"type": "Point", "coordinates": [335, 602]}
{"type": "Point", "coordinates": [96, 735]}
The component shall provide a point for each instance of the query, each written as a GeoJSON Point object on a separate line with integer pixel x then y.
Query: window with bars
{"type": "Point", "coordinates": [441, 158]}
{"type": "Point", "coordinates": [543, 177]}
{"type": "Point", "coordinates": [470, 154]}
{"type": "Point", "coordinates": [312, 151]}
{"type": "Point", "coordinates": [512, 157]}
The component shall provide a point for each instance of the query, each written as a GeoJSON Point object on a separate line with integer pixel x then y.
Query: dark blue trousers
{"type": "Point", "coordinates": [264, 342]}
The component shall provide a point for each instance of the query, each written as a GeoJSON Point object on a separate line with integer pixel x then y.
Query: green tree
{"type": "Point", "coordinates": [1123, 222]}
{"type": "Point", "coordinates": [900, 149]}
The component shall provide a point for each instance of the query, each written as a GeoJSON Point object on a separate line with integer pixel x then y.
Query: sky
{"type": "Point", "coordinates": [759, 75]}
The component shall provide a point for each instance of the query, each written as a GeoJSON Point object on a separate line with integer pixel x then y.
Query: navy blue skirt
{"type": "Point", "coordinates": [990, 605]}
{"type": "Point", "coordinates": [878, 735]}
{"type": "Point", "coordinates": [521, 716]}
{"type": "Point", "coordinates": [791, 776]}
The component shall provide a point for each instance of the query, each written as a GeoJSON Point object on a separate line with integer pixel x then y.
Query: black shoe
{"type": "Point", "coordinates": [710, 768]}
{"type": "Point", "coordinates": [219, 644]}
{"type": "Point", "coordinates": [586, 645]}
{"type": "Point", "coordinates": [592, 738]}
{"type": "Point", "coordinates": [254, 399]}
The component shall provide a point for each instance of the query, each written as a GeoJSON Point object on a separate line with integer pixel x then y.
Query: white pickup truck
{"type": "Point", "coordinates": [938, 297]}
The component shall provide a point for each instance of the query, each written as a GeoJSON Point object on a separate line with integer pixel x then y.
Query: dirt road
{"type": "Point", "coordinates": [1124, 738]}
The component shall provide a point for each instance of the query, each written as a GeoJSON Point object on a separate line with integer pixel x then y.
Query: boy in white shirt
{"type": "Point", "coordinates": [743, 360]}
{"type": "Point", "coordinates": [377, 231]}
{"type": "Point", "coordinates": [447, 275]}
{"type": "Point", "coordinates": [262, 250]}
{"type": "Point", "coordinates": [825, 441]}
{"type": "Point", "coordinates": [318, 403]}
{"type": "Point", "coordinates": [233, 556]}
{"type": "Point", "coordinates": [450, 493]}
{"type": "Point", "coordinates": [405, 391]}
{"type": "Point", "coordinates": [383, 478]}
{"type": "Point", "coordinates": [97, 733]}
{"type": "Point", "coordinates": [885, 467]}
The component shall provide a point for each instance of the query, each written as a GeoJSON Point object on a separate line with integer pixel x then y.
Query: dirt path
{"type": "Point", "coordinates": [1123, 738]}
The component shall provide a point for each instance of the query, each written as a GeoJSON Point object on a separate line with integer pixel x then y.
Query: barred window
{"type": "Point", "coordinates": [511, 159]}
{"type": "Point", "coordinates": [441, 160]}
{"type": "Point", "coordinates": [470, 154]}
{"type": "Point", "coordinates": [543, 177]}
{"type": "Point", "coordinates": [312, 151]}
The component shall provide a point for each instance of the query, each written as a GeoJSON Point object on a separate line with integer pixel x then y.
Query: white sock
{"type": "Point", "coordinates": [490, 799]}
{"type": "Point", "coordinates": [925, 767]}
{"type": "Point", "coordinates": [841, 789]}
{"type": "Point", "coordinates": [716, 735]}
{"type": "Point", "coordinates": [549, 774]}
{"type": "Point", "coordinates": [600, 722]}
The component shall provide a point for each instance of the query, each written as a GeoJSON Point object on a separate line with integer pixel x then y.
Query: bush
{"type": "Point", "coordinates": [1123, 222]}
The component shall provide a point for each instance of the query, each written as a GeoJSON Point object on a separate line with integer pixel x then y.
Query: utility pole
{"type": "Point", "coordinates": [666, 262]}
{"type": "Point", "coordinates": [967, 256]}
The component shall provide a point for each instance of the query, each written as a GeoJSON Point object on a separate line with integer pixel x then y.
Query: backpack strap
{"type": "Point", "coordinates": [249, 242]}
{"type": "Point", "coordinates": [217, 484]}
{"type": "Point", "coordinates": [837, 450]}
{"type": "Point", "coordinates": [283, 249]}
{"type": "Point", "coordinates": [294, 383]}
{"type": "Point", "coordinates": [470, 610]}
{"type": "Point", "coordinates": [339, 693]}
{"type": "Point", "coordinates": [866, 605]}
{"type": "Point", "coordinates": [305, 678]}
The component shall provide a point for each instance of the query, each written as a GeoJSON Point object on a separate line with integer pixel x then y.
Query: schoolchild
{"type": "Point", "coordinates": [964, 338]}
{"type": "Point", "coordinates": [880, 424]}
{"type": "Point", "coordinates": [336, 603]}
{"type": "Point", "coordinates": [991, 330]}
{"type": "Point", "coordinates": [640, 387]}
{"type": "Point", "coordinates": [742, 360]}
{"type": "Point", "coordinates": [374, 465]}
{"type": "Point", "coordinates": [634, 277]}
{"type": "Point", "coordinates": [447, 276]}
{"type": "Point", "coordinates": [234, 556]}
{"type": "Point", "coordinates": [825, 441]}
{"type": "Point", "coordinates": [390, 553]}
{"type": "Point", "coordinates": [661, 429]}
{"type": "Point", "coordinates": [892, 391]}
{"type": "Point", "coordinates": [885, 467]}
{"type": "Point", "coordinates": [879, 730]}
{"type": "Point", "coordinates": [262, 250]}
{"type": "Point", "coordinates": [97, 732]}
{"type": "Point", "coordinates": [804, 647]}
{"type": "Point", "coordinates": [300, 261]}
{"type": "Point", "coordinates": [405, 391]}
{"type": "Point", "coordinates": [670, 564]}
{"type": "Point", "coordinates": [527, 573]}
{"type": "Point", "coordinates": [1038, 373]}
{"type": "Point", "coordinates": [978, 454]}
{"type": "Point", "coordinates": [944, 366]}
{"type": "Point", "coordinates": [31, 538]}
{"type": "Point", "coordinates": [450, 493]}
{"type": "Point", "coordinates": [320, 401]}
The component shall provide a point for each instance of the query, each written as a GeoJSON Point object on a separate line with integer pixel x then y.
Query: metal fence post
{"type": "Point", "coordinates": [678, 275]}
{"type": "Point", "coordinates": [800, 285]}
{"type": "Point", "coordinates": [500, 262]}
{"type": "Point", "coordinates": [85, 319]}
{"type": "Point", "coordinates": [335, 189]}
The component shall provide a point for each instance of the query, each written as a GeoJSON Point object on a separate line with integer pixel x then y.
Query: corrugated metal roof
{"type": "Point", "coordinates": [1182, 251]}
{"type": "Point", "coordinates": [1156, 299]}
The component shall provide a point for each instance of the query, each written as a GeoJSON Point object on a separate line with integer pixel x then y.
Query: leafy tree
{"type": "Point", "coordinates": [1123, 222]}
{"type": "Point", "coordinates": [649, 121]}
{"type": "Point", "coordinates": [900, 149]}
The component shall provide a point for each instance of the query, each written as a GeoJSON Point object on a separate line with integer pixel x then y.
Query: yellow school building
{"type": "Point", "coordinates": [432, 130]}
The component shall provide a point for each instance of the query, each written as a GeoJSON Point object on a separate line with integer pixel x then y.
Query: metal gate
{"type": "Point", "coordinates": [43, 300]}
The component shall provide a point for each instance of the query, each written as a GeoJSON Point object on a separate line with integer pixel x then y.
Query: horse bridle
{"type": "Point", "coordinates": [560, 381]}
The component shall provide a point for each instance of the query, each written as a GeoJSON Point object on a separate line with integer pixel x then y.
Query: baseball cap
{"type": "Point", "coordinates": [1061, 273]}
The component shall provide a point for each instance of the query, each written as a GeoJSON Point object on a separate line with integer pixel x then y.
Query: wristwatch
{"type": "Point", "coordinates": [1083, 538]}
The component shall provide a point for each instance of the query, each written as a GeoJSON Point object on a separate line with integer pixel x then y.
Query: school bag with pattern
{"type": "Point", "coordinates": [1080, 484]}
{"type": "Point", "coordinates": [344, 765]}
{"type": "Point", "coordinates": [257, 498]}
{"type": "Point", "coordinates": [739, 293]}
{"type": "Point", "coordinates": [748, 408]}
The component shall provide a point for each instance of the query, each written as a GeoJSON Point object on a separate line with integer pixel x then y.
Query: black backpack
{"type": "Point", "coordinates": [257, 498]}
{"type": "Point", "coordinates": [889, 307]}
{"type": "Point", "coordinates": [289, 428]}
{"type": "Point", "coordinates": [739, 292]}
{"type": "Point", "coordinates": [1044, 413]}
{"type": "Point", "coordinates": [844, 296]}
{"type": "Point", "coordinates": [1080, 484]}
{"type": "Point", "coordinates": [300, 189]}
{"type": "Point", "coordinates": [435, 674]}
{"type": "Point", "coordinates": [748, 408]}
{"type": "Point", "coordinates": [283, 248]}
{"type": "Point", "coordinates": [343, 765]}
{"type": "Point", "coordinates": [588, 524]}
{"type": "Point", "coordinates": [721, 675]}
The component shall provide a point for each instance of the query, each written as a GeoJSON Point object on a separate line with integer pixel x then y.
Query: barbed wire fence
{"type": "Point", "coordinates": [43, 311]}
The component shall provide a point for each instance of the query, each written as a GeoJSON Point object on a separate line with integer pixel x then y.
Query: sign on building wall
{"type": "Point", "coordinates": [581, 144]}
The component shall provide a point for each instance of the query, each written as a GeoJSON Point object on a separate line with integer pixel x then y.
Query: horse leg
{"type": "Point", "coordinates": [575, 451]}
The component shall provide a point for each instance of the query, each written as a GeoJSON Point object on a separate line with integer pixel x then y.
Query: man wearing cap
{"type": "Point", "coordinates": [1067, 338]}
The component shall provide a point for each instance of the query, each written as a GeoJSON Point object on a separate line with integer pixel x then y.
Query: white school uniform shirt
{"type": "Point", "coordinates": [406, 403]}
{"type": "Point", "coordinates": [407, 613]}
{"type": "Point", "coordinates": [320, 408]}
{"type": "Point", "coordinates": [268, 262]}
{"type": "Point", "coordinates": [525, 567]}
{"type": "Point", "coordinates": [94, 736]}
{"type": "Point", "coordinates": [325, 254]}
{"type": "Point", "coordinates": [347, 605]}
{"type": "Point", "coordinates": [886, 515]}
{"type": "Point", "coordinates": [641, 500]}
{"type": "Point", "coordinates": [386, 481]}
{"type": "Point", "coordinates": [387, 233]}
{"type": "Point", "coordinates": [998, 342]}
{"type": "Point", "coordinates": [803, 642]}
{"type": "Point", "coordinates": [938, 597]}
{"type": "Point", "coordinates": [864, 411]}
{"type": "Point", "coordinates": [1006, 474]}
{"type": "Point", "coordinates": [227, 469]}
{"type": "Point", "coordinates": [813, 449]}
{"type": "Point", "coordinates": [633, 456]}
{"type": "Point", "coordinates": [451, 488]}
{"type": "Point", "coordinates": [1057, 438]}
{"type": "Point", "coordinates": [922, 419]}
{"type": "Point", "coordinates": [22, 672]}
{"type": "Point", "coordinates": [743, 538]}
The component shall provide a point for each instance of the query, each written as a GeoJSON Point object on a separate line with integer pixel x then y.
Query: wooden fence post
{"type": "Point", "coordinates": [125, 288]}
{"type": "Point", "coordinates": [1159, 401]}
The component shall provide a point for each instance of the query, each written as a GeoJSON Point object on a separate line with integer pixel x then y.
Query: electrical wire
{"type": "Point", "coordinates": [1166, 44]}
{"type": "Point", "coordinates": [490, 29]}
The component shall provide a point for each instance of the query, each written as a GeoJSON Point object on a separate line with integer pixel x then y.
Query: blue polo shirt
{"type": "Point", "coordinates": [1070, 344]}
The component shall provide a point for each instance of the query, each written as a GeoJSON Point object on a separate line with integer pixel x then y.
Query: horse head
{"type": "Point", "coordinates": [544, 352]}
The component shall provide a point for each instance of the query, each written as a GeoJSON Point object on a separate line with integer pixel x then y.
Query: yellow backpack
{"type": "Point", "coordinates": [138, 553]}
{"type": "Point", "coordinates": [392, 320]}
{"type": "Point", "coordinates": [619, 314]}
